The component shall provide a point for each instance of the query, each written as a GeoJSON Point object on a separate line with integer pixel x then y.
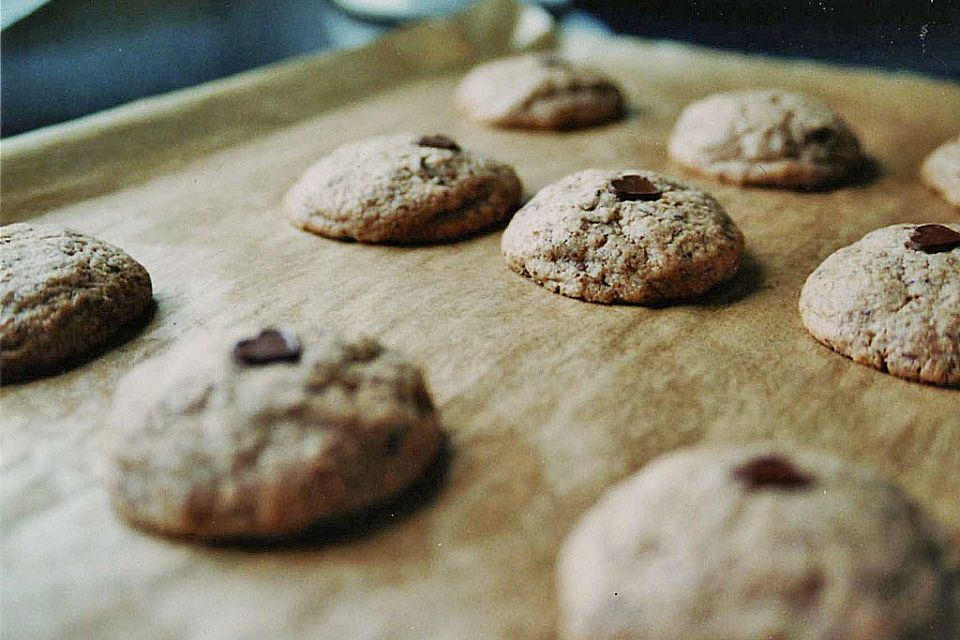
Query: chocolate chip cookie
{"type": "Point", "coordinates": [402, 189]}
{"type": "Point", "coordinates": [892, 301]}
{"type": "Point", "coordinates": [941, 171]}
{"type": "Point", "coordinates": [261, 433]}
{"type": "Point", "coordinates": [623, 236]}
{"type": "Point", "coordinates": [538, 91]}
{"type": "Point", "coordinates": [765, 137]}
{"type": "Point", "coordinates": [750, 542]}
{"type": "Point", "coordinates": [63, 296]}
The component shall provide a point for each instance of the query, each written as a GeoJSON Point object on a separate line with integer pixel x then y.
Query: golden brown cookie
{"type": "Point", "coordinates": [754, 541]}
{"type": "Point", "coordinates": [891, 300]}
{"type": "Point", "coordinates": [538, 91]}
{"type": "Point", "coordinates": [402, 189]}
{"type": "Point", "coordinates": [63, 295]}
{"type": "Point", "coordinates": [765, 137]}
{"type": "Point", "coordinates": [261, 433]}
{"type": "Point", "coordinates": [623, 236]}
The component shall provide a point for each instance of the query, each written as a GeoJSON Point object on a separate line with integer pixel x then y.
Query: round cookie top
{"type": "Point", "coordinates": [254, 435]}
{"type": "Point", "coordinates": [401, 188]}
{"type": "Point", "coordinates": [891, 300]}
{"type": "Point", "coordinates": [765, 137]}
{"type": "Point", "coordinates": [62, 295]}
{"type": "Point", "coordinates": [623, 236]}
{"type": "Point", "coordinates": [941, 170]}
{"type": "Point", "coordinates": [756, 541]}
{"type": "Point", "coordinates": [538, 91]}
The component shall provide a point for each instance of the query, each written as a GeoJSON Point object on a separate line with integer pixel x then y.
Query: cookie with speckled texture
{"type": "Point", "coordinates": [941, 171]}
{"type": "Point", "coordinates": [538, 91]}
{"type": "Point", "coordinates": [765, 137]}
{"type": "Point", "coordinates": [750, 542]}
{"type": "Point", "coordinates": [402, 189]}
{"type": "Point", "coordinates": [888, 306]}
{"type": "Point", "coordinates": [63, 295]}
{"type": "Point", "coordinates": [218, 440]}
{"type": "Point", "coordinates": [579, 238]}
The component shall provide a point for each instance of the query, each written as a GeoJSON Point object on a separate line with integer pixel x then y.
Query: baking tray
{"type": "Point", "coordinates": [547, 401]}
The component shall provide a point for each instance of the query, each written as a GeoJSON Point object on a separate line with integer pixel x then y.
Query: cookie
{"type": "Point", "coordinates": [941, 171]}
{"type": "Point", "coordinates": [892, 301]}
{"type": "Point", "coordinates": [402, 189]}
{"type": "Point", "coordinates": [260, 434]}
{"type": "Point", "coordinates": [63, 296]}
{"type": "Point", "coordinates": [623, 236]}
{"type": "Point", "coordinates": [538, 91]}
{"type": "Point", "coordinates": [751, 542]}
{"type": "Point", "coordinates": [765, 137]}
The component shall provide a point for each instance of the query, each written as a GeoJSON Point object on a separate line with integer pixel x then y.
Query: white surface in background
{"type": "Point", "coordinates": [405, 9]}
{"type": "Point", "coordinates": [13, 10]}
{"type": "Point", "coordinates": [402, 8]}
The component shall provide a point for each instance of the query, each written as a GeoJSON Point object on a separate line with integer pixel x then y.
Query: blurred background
{"type": "Point", "coordinates": [66, 58]}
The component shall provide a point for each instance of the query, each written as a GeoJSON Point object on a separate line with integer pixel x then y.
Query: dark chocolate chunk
{"type": "Point", "coordinates": [268, 347]}
{"type": "Point", "coordinates": [933, 238]}
{"type": "Point", "coordinates": [394, 441]}
{"type": "Point", "coordinates": [820, 135]}
{"type": "Point", "coordinates": [772, 471]}
{"type": "Point", "coordinates": [633, 187]}
{"type": "Point", "coordinates": [438, 141]}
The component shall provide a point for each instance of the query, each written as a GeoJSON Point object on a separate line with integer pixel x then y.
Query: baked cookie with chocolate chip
{"type": "Point", "coordinates": [765, 137]}
{"type": "Point", "coordinates": [538, 91]}
{"type": "Point", "coordinates": [754, 541]}
{"type": "Point", "coordinates": [63, 296]}
{"type": "Point", "coordinates": [402, 189]}
{"type": "Point", "coordinates": [892, 301]}
{"type": "Point", "coordinates": [941, 171]}
{"type": "Point", "coordinates": [623, 236]}
{"type": "Point", "coordinates": [261, 433]}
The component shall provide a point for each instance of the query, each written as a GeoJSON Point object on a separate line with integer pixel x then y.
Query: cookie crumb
{"type": "Point", "coordinates": [268, 347]}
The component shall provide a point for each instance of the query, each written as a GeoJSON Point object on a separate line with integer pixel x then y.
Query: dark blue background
{"type": "Point", "coordinates": [75, 57]}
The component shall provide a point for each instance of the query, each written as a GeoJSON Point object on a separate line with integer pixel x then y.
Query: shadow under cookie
{"type": "Point", "coordinates": [124, 334]}
{"type": "Point", "coordinates": [355, 525]}
{"type": "Point", "coordinates": [749, 279]}
{"type": "Point", "coordinates": [865, 174]}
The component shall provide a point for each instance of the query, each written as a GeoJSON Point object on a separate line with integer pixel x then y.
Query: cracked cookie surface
{"type": "Point", "coordinates": [577, 237]}
{"type": "Point", "coordinates": [941, 171]}
{"type": "Point", "coordinates": [888, 306]}
{"type": "Point", "coordinates": [222, 439]}
{"type": "Point", "coordinates": [765, 137]}
{"type": "Point", "coordinates": [538, 91]}
{"type": "Point", "coordinates": [754, 541]}
{"type": "Point", "coordinates": [392, 189]}
{"type": "Point", "coordinates": [63, 295]}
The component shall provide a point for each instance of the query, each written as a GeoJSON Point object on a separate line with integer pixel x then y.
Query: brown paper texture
{"type": "Point", "coordinates": [547, 401]}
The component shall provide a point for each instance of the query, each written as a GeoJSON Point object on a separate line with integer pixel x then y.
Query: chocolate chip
{"type": "Point", "coordinates": [394, 440]}
{"type": "Point", "coordinates": [820, 135]}
{"type": "Point", "coordinates": [438, 141]}
{"type": "Point", "coordinates": [933, 238]}
{"type": "Point", "coordinates": [772, 471]}
{"type": "Point", "coordinates": [633, 187]}
{"type": "Point", "coordinates": [268, 347]}
{"type": "Point", "coordinates": [554, 61]}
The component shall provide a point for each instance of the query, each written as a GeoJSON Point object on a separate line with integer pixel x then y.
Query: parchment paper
{"type": "Point", "coordinates": [547, 401]}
